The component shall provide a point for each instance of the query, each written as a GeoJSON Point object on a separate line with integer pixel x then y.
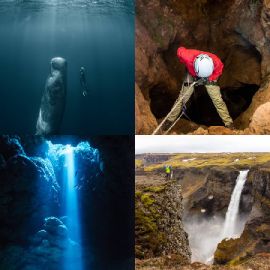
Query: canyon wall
{"type": "Point", "coordinates": [159, 231]}
{"type": "Point", "coordinates": [206, 195]}
{"type": "Point", "coordinates": [256, 236]}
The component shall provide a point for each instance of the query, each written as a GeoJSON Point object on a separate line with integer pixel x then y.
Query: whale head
{"type": "Point", "coordinates": [58, 64]}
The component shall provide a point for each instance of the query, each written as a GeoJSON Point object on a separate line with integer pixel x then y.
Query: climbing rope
{"type": "Point", "coordinates": [173, 124]}
{"type": "Point", "coordinates": [182, 113]}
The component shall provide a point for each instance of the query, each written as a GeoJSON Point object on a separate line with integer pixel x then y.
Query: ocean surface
{"type": "Point", "coordinates": [98, 35]}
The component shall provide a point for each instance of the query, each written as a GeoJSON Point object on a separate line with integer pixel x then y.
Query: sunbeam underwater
{"type": "Point", "coordinates": [96, 35]}
{"type": "Point", "coordinates": [65, 156]}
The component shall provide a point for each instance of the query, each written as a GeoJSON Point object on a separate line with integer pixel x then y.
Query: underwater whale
{"type": "Point", "coordinates": [53, 99]}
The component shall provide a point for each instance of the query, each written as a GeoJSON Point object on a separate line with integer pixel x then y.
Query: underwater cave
{"type": "Point", "coordinates": [71, 204]}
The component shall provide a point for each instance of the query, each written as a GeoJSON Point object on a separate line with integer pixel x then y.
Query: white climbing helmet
{"type": "Point", "coordinates": [203, 65]}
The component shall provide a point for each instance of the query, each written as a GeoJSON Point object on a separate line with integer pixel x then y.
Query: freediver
{"type": "Point", "coordinates": [83, 82]}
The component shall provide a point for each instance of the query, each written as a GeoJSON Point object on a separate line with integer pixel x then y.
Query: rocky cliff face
{"type": "Point", "coordinates": [208, 188]}
{"type": "Point", "coordinates": [236, 30]}
{"type": "Point", "coordinates": [214, 195]}
{"type": "Point", "coordinates": [206, 194]}
{"type": "Point", "coordinates": [158, 229]}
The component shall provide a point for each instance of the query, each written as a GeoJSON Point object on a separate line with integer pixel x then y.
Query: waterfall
{"type": "Point", "coordinates": [233, 209]}
{"type": "Point", "coordinates": [205, 234]}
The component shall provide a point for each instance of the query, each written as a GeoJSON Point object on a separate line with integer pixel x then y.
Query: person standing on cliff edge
{"type": "Point", "coordinates": [204, 68]}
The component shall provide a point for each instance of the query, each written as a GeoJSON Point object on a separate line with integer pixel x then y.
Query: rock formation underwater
{"type": "Point", "coordinates": [35, 230]}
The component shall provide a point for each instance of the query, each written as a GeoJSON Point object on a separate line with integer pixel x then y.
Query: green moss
{"type": "Point", "coordinates": [235, 251]}
{"type": "Point", "coordinates": [148, 236]}
{"type": "Point", "coordinates": [225, 251]}
{"type": "Point", "coordinates": [238, 261]}
{"type": "Point", "coordinates": [265, 201]}
{"type": "Point", "coordinates": [147, 199]}
{"type": "Point", "coordinates": [149, 239]}
{"type": "Point", "coordinates": [155, 189]}
{"type": "Point", "coordinates": [264, 229]}
{"type": "Point", "coordinates": [147, 221]}
{"type": "Point", "coordinates": [138, 194]}
{"type": "Point", "coordinates": [233, 160]}
{"type": "Point", "coordinates": [138, 163]}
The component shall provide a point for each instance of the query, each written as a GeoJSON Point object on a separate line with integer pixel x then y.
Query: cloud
{"type": "Point", "coordinates": [201, 144]}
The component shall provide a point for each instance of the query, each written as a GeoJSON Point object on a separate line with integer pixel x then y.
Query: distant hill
{"type": "Point", "coordinates": [151, 162]}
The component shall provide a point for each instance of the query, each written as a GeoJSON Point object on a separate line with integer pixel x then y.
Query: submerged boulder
{"type": "Point", "coordinates": [47, 251]}
{"type": "Point", "coordinates": [51, 224]}
{"type": "Point", "coordinates": [52, 245]}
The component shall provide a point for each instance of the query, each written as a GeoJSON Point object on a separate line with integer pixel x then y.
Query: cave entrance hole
{"type": "Point", "coordinates": [161, 101]}
{"type": "Point", "coordinates": [239, 82]}
{"type": "Point", "coordinates": [200, 108]}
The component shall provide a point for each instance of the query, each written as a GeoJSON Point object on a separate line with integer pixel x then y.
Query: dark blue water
{"type": "Point", "coordinates": [98, 35]}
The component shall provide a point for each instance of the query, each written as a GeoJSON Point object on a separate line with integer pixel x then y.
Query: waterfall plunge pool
{"type": "Point", "coordinates": [206, 233]}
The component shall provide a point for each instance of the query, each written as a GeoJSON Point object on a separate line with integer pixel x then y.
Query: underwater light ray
{"type": "Point", "coordinates": [64, 159]}
{"type": "Point", "coordinates": [101, 6]}
{"type": "Point", "coordinates": [72, 208]}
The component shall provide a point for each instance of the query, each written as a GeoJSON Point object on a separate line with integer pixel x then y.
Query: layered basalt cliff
{"type": "Point", "coordinates": [236, 30]}
{"type": "Point", "coordinates": [159, 230]}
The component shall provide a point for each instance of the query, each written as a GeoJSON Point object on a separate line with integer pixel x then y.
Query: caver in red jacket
{"type": "Point", "coordinates": [187, 56]}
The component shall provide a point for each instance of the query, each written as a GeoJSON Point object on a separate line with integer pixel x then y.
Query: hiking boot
{"type": "Point", "coordinates": [231, 126]}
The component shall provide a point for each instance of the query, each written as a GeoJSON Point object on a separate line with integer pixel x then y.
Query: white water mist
{"type": "Point", "coordinates": [206, 234]}
{"type": "Point", "coordinates": [229, 229]}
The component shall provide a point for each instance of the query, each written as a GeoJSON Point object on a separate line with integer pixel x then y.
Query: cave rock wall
{"type": "Point", "coordinates": [238, 31]}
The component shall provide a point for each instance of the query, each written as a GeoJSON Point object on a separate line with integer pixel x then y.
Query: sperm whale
{"type": "Point", "coordinates": [53, 99]}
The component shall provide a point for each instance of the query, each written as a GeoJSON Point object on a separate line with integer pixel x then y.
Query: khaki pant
{"type": "Point", "coordinates": [215, 95]}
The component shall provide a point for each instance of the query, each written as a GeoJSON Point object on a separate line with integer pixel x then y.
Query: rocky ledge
{"type": "Point", "coordinates": [158, 222]}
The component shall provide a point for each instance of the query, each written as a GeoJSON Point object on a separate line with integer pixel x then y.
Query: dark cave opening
{"type": "Point", "coordinates": [239, 82]}
{"type": "Point", "coordinates": [200, 108]}
{"type": "Point", "coordinates": [161, 101]}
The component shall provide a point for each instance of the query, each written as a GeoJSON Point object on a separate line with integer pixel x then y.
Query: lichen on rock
{"type": "Point", "coordinates": [158, 222]}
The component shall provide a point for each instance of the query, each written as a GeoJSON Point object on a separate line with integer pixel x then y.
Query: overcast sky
{"type": "Point", "coordinates": [202, 144]}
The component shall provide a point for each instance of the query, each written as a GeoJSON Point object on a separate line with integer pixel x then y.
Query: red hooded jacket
{"type": "Point", "coordinates": [187, 56]}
